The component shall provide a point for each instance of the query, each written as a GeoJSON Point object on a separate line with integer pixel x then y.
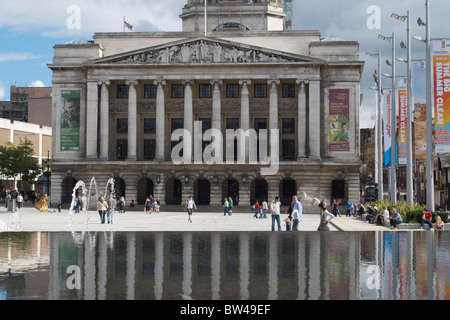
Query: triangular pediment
{"type": "Point", "coordinates": [204, 50]}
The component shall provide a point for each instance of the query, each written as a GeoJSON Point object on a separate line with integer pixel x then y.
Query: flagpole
{"type": "Point", "coordinates": [123, 24]}
{"type": "Point", "coordinates": [205, 18]}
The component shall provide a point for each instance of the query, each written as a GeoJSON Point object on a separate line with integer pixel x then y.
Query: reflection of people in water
{"type": "Point", "coordinates": [342, 135]}
{"type": "Point", "coordinates": [71, 114]}
{"type": "Point", "coordinates": [41, 205]}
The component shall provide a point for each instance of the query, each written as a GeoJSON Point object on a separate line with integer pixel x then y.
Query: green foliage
{"type": "Point", "coordinates": [410, 213]}
{"type": "Point", "coordinates": [18, 162]}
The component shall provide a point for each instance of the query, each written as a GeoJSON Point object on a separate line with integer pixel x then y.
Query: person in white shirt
{"type": "Point", "coordinates": [325, 217]}
{"type": "Point", "coordinates": [275, 208]}
{"type": "Point", "coordinates": [190, 206]}
{"type": "Point", "coordinates": [19, 200]}
{"type": "Point", "coordinates": [385, 214]}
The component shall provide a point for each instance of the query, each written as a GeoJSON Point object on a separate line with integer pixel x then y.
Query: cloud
{"type": "Point", "coordinates": [2, 92]}
{"type": "Point", "coordinates": [64, 19]}
{"type": "Point", "coordinates": [37, 83]}
{"type": "Point", "coordinates": [17, 56]}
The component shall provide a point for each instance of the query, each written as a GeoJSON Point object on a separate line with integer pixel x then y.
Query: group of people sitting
{"type": "Point", "coordinates": [380, 216]}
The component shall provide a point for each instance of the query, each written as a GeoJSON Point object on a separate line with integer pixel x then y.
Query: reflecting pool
{"type": "Point", "coordinates": [225, 266]}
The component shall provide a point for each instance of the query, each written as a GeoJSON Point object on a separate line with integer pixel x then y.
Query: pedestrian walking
{"type": "Point", "coordinates": [111, 209]}
{"type": "Point", "coordinates": [148, 206]}
{"type": "Point", "coordinates": [297, 213]}
{"type": "Point", "coordinates": [59, 206]}
{"type": "Point", "coordinates": [158, 202]}
{"type": "Point", "coordinates": [230, 206]}
{"type": "Point", "coordinates": [336, 208]}
{"type": "Point", "coordinates": [256, 208]}
{"type": "Point", "coordinates": [78, 204]}
{"type": "Point", "coordinates": [225, 207]}
{"type": "Point", "coordinates": [19, 201]}
{"type": "Point", "coordinates": [349, 209]}
{"type": "Point", "coordinates": [275, 211]}
{"type": "Point", "coordinates": [190, 206]}
{"type": "Point", "coordinates": [265, 207]}
{"type": "Point", "coordinates": [102, 206]}
{"type": "Point", "coordinates": [325, 217]}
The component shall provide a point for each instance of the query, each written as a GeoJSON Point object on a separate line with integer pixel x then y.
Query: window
{"type": "Point", "coordinates": [177, 91]}
{"type": "Point", "coordinates": [149, 91]}
{"type": "Point", "coordinates": [149, 125]}
{"type": "Point", "coordinates": [288, 149]}
{"type": "Point", "coordinates": [149, 149]}
{"type": "Point", "coordinates": [288, 90]}
{"type": "Point", "coordinates": [288, 125]}
{"type": "Point", "coordinates": [232, 91]}
{"type": "Point", "coordinates": [260, 90]}
{"type": "Point", "coordinates": [204, 91]}
{"type": "Point", "coordinates": [121, 149]}
{"type": "Point", "coordinates": [122, 91]}
{"type": "Point", "coordinates": [177, 123]}
{"type": "Point", "coordinates": [206, 124]}
{"type": "Point", "coordinates": [233, 123]}
{"type": "Point", "coordinates": [122, 125]}
{"type": "Point", "coordinates": [260, 123]}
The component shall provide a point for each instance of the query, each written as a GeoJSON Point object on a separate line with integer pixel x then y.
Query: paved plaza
{"type": "Point", "coordinates": [30, 220]}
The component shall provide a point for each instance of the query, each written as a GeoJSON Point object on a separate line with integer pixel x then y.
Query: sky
{"type": "Point", "coordinates": [29, 31]}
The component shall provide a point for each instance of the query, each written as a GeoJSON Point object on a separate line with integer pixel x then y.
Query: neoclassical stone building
{"type": "Point", "coordinates": [118, 99]}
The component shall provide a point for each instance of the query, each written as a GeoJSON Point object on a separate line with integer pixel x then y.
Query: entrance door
{"type": "Point", "coordinates": [203, 192]}
{"type": "Point", "coordinates": [231, 189]}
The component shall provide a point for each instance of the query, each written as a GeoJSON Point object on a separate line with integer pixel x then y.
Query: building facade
{"type": "Point", "coordinates": [120, 100]}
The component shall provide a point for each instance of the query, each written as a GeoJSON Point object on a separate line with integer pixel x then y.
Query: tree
{"type": "Point", "coordinates": [17, 162]}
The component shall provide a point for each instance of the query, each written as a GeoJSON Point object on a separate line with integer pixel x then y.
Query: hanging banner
{"type": "Point", "coordinates": [402, 126]}
{"type": "Point", "coordinates": [441, 99]}
{"type": "Point", "coordinates": [70, 120]}
{"type": "Point", "coordinates": [387, 132]}
{"type": "Point", "coordinates": [339, 115]}
{"type": "Point", "coordinates": [420, 107]}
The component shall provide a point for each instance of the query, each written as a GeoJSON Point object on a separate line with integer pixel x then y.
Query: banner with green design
{"type": "Point", "coordinates": [70, 120]}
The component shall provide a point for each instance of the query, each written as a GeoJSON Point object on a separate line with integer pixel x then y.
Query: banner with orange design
{"type": "Point", "coordinates": [402, 125]}
{"type": "Point", "coordinates": [441, 83]}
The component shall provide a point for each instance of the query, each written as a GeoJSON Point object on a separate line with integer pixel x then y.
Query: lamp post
{"type": "Point", "coordinates": [393, 171]}
{"type": "Point", "coordinates": [379, 126]}
{"type": "Point", "coordinates": [429, 112]}
{"type": "Point", "coordinates": [409, 157]}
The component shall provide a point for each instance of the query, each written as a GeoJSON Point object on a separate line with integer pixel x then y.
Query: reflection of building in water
{"type": "Point", "coordinates": [213, 266]}
{"type": "Point", "coordinates": [227, 266]}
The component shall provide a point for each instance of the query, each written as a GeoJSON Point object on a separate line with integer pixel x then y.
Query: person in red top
{"type": "Point", "coordinates": [426, 218]}
{"type": "Point", "coordinates": [256, 206]}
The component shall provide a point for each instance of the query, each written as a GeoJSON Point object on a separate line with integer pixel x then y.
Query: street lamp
{"type": "Point", "coordinates": [409, 160]}
{"type": "Point", "coordinates": [429, 112]}
{"type": "Point", "coordinates": [379, 125]}
{"type": "Point", "coordinates": [393, 173]}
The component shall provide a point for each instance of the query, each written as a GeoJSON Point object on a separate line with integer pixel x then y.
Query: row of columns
{"type": "Point", "coordinates": [308, 129]}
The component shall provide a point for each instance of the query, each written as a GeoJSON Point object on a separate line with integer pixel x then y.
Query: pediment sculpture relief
{"type": "Point", "coordinates": [201, 52]}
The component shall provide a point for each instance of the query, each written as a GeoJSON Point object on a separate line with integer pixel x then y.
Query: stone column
{"type": "Point", "coordinates": [188, 121]}
{"type": "Point", "coordinates": [132, 119]}
{"type": "Point", "coordinates": [92, 119]}
{"type": "Point", "coordinates": [217, 112]}
{"type": "Point", "coordinates": [216, 104]}
{"type": "Point", "coordinates": [301, 121]}
{"type": "Point", "coordinates": [273, 103]}
{"type": "Point", "coordinates": [104, 120]}
{"type": "Point", "coordinates": [160, 112]}
{"type": "Point", "coordinates": [245, 104]}
{"type": "Point", "coordinates": [314, 119]}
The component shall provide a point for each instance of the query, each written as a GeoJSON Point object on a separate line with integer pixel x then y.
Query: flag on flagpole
{"type": "Point", "coordinates": [127, 25]}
